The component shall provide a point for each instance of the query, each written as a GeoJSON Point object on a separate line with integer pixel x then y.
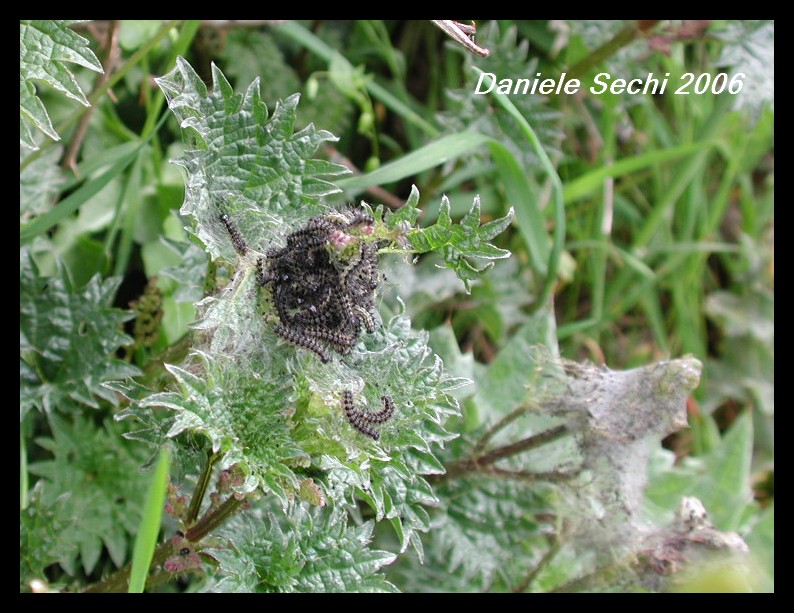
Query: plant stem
{"type": "Point", "coordinates": [70, 157]}
{"type": "Point", "coordinates": [502, 423]}
{"type": "Point", "coordinates": [201, 489]}
{"type": "Point", "coordinates": [118, 581]}
{"type": "Point", "coordinates": [213, 519]}
{"type": "Point", "coordinates": [535, 570]}
{"type": "Point", "coordinates": [471, 464]}
{"type": "Point", "coordinates": [24, 484]}
{"type": "Point", "coordinates": [609, 48]}
{"type": "Point", "coordinates": [553, 476]}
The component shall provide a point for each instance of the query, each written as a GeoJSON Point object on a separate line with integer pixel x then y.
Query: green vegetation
{"type": "Point", "coordinates": [574, 311]}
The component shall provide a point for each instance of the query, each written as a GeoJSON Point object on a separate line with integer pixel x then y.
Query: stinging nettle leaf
{"type": "Point", "coordinates": [40, 526]}
{"type": "Point", "coordinates": [307, 550]}
{"type": "Point", "coordinates": [111, 493]}
{"type": "Point", "coordinates": [45, 46]}
{"type": "Point", "coordinates": [67, 340]}
{"type": "Point", "coordinates": [457, 244]}
{"type": "Point", "coordinates": [39, 183]}
{"type": "Point", "coordinates": [246, 163]}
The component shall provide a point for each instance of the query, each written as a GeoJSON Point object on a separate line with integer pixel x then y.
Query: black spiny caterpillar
{"type": "Point", "coordinates": [240, 245]}
{"type": "Point", "coordinates": [364, 420]}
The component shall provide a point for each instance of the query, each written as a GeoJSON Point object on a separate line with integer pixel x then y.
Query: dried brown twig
{"type": "Point", "coordinates": [463, 34]}
{"type": "Point", "coordinates": [111, 59]}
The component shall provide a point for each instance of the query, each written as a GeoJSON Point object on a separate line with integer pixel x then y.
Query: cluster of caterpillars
{"type": "Point", "coordinates": [323, 282]}
{"type": "Point", "coordinates": [323, 285]}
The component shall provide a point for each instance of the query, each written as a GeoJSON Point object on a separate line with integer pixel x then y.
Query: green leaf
{"type": "Point", "coordinates": [522, 195]}
{"type": "Point", "coordinates": [190, 271]}
{"type": "Point", "coordinates": [487, 538]}
{"type": "Point", "coordinates": [45, 46]}
{"type": "Point", "coordinates": [93, 474]}
{"type": "Point", "coordinates": [39, 183]}
{"type": "Point", "coordinates": [305, 551]}
{"type": "Point", "coordinates": [149, 530]}
{"type": "Point", "coordinates": [594, 180]}
{"type": "Point", "coordinates": [719, 479]}
{"type": "Point", "coordinates": [443, 341]}
{"type": "Point", "coordinates": [407, 370]}
{"type": "Point", "coordinates": [245, 163]}
{"type": "Point", "coordinates": [500, 303]}
{"type": "Point", "coordinates": [503, 385]}
{"type": "Point", "coordinates": [429, 156]}
{"type": "Point", "coordinates": [745, 370]}
{"type": "Point", "coordinates": [68, 340]}
{"type": "Point", "coordinates": [239, 411]}
{"type": "Point", "coordinates": [76, 199]}
{"type": "Point", "coordinates": [457, 244]}
{"type": "Point", "coordinates": [44, 530]}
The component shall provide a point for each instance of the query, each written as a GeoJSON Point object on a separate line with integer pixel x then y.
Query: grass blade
{"type": "Point", "coordinates": [431, 155]}
{"type": "Point", "coordinates": [149, 529]}
{"type": "Point", "coordinates": [298, 33]}
{"type": "Point", "coordinates": [594, 180]}
{"type": "Point", "coordinates": [521, 196]}
{"type": "Point", "coordinates": [69, 205]}
{"type": "Point", "coordinates": [24, 484]}
{"type": "Point", "coordinates": [559, 204]}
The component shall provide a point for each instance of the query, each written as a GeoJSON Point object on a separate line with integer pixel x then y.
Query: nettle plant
{"type": "Point", "coordinates": [312, 400]}
{"type": "Point", "coordinates": [319, 444]}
